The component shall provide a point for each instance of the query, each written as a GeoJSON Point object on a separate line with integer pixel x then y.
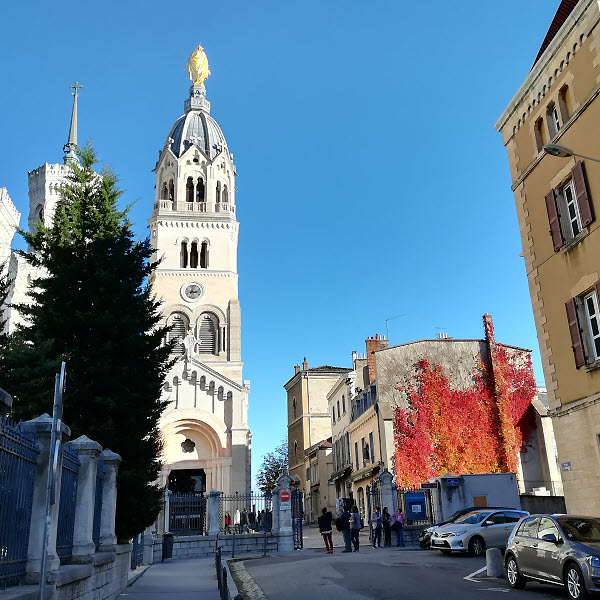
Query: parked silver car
{"type": "Point", "coordinates": [558, 549]}
{"type": "Point", "coordinates": [476, 531]}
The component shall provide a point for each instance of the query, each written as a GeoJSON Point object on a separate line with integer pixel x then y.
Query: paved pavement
{"type": "Point", "coordinates": [382, 574]}
{"type": "Point", "coordinates": [191, 579]}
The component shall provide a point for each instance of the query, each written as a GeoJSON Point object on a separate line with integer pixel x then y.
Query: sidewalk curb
{"type": "Point", "coordinates": [251, 588]}
{"type": "Point", "coordinates": [135, 575]}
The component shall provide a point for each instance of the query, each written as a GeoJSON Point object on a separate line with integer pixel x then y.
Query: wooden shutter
{"type": "Point", "coordinates": [207, 336]}
{"type": "Point", "coordinates": [557, 239]}
{"type": "Point", "coordinates": [576, 342]}
{"type": "Point", "coordinates": [597, 287]}
{"type": "Point", "coordinates": [583, 199]}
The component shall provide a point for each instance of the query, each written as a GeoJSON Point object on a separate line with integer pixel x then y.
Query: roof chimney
{"type": "Point", "coordinates": [304, 364]}
{"type": "Point", "coordinates": [296, 369]}
{"type": "Point", "coordinates": [374, 343]}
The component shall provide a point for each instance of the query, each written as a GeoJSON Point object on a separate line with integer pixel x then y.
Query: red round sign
{"type": "Point", "coordinates": [285, 496]}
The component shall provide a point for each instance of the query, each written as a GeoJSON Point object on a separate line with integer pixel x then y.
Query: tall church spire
{"type": "Point", "coordinates": [70, 147]}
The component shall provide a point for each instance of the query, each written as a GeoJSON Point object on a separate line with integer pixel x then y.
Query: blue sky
{"type": "Point", "coordinates": [371, 180]}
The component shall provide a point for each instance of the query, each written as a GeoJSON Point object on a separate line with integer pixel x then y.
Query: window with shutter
{"type": "Point", "coordinates": [207, 334]}
{"type": "Point", "coordinates": [581, 191]}
{"type": "Point", "coordinates": [194, 255]}
{"type": "Point", "coordinates": [575, 331]}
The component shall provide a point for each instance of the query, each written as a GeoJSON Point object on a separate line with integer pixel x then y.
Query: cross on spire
{"type": "Point", "coordinates": [76, 86]}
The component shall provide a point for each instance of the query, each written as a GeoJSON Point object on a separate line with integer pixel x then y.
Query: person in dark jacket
{"type": "Point", "coordinates": [355, 526]}
{"type": "Point", "coordinates": [344, 527]}
{"type": "Point", "coordinates": [325, 529]}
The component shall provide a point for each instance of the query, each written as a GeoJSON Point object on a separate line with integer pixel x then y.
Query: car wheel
{"type": "Point", "coordinates": [476, 546]}
{"type": "Point", "coordinates": [515, 579]}
{"type": "Point", "coordinates": [574, 583]}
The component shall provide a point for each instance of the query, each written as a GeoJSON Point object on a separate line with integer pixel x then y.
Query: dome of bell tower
{"type": "Point", "coordinates": [197, 127]}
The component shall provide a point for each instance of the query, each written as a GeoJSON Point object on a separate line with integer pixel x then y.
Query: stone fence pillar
{"type": "Point", "coordinates": [148, 547]}
{"type": "Point", "coordinates": [88, 452]}
{"type": "Point", "coordinates": [388, 492]}
{"type": "Point", "coordinates": [42, 428]}
{"type": "Point", "coordinates": [108, 539]}
{"type": "Point", "coordinates": [282, 515]}
{"type": "Point", "coordinates": [214, 523]}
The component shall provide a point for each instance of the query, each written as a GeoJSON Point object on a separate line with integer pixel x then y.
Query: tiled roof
{"type": "Point", "coordinates": [328, 369]}
{"type": "Point", "coordinates": [562, 14]}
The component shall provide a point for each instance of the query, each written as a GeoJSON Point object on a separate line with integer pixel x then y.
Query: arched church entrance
{"type": "Point", "coordinates": [187, 481]}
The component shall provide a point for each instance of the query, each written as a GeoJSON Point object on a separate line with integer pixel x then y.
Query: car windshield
{"type": "Point", "coordinates": [581, 529]}
{"type": "Point", "coordinates": [473, 517]}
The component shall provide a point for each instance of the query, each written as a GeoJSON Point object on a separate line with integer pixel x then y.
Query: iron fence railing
{"type": "Point", "coordinates": [137, 551]}
{"type": "Point", "coordinates": [68, 500]}
{"type": "Point", "coordinates": [98, 503]}
{"type": "Point", "coordinates": [187, 514]}
{"type": "Point", "coordinates": [245, 513]}
{"type": "Point", "coordinates": [18, 456]}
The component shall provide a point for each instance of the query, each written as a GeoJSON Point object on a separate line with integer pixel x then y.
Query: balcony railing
{"type": "Point", "coordinates": [224, 207]}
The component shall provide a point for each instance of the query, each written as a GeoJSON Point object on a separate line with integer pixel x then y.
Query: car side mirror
{"type": "Point", "coordinates": [550, 537]}
{"type": "Point", "coordinates": [488, 523]}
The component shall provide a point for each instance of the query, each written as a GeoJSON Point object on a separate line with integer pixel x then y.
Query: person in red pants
{"type": "Point", "coordinates": [325, 530]}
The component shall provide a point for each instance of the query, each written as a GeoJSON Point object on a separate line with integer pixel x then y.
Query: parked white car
{"type": "Point", "coordinates": [476, 531]}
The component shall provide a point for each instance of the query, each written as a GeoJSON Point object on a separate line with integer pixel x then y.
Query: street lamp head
{"type": "Point", "coordinates": [558, 150]}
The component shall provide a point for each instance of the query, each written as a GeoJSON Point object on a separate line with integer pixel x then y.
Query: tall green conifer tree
{"type": "Point", "coordinates": [93, 309]}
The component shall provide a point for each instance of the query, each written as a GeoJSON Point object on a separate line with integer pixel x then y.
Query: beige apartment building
{"type": "Point", "coordinates": [308, 415]}
{"type": "Point", "coordinates": [557, 198]}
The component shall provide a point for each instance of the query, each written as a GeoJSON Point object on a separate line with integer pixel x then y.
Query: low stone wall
{"type": "Point", "coordinates": [102, 579]}
{"type": "Point", "coordinates": [201, 546]}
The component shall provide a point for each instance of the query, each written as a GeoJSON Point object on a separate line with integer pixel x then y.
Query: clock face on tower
{"type": "Point", "coordinates": [192, 291]}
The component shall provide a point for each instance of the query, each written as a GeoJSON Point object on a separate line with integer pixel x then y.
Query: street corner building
{"type": "Point", "coordinates": [194, 231]}
{"type": "Point", "coordinates": [549, 130]}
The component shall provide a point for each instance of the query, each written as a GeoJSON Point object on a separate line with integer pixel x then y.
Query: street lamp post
{"type": "Point", "coordinates": [564, 152]}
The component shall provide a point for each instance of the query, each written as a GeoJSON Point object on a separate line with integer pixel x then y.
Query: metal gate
{"type": "Point", "coordinates": [297, 514]}
{"type": "Point", "coordinates": [187, 514]}
{"type": "Point", "coordinates": [418, 506]}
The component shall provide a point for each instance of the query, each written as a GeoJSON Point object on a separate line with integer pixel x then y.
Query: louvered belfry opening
{"type": "Point", "coordinates": [184, 255]}
{"type": "Point", "coordinates": [200, 190]}
{"type": "Point", "coordinates": [194, 255]}
{"type": "Point", "coordinates": [189, 190]}
{"type": "Point", "coordinates": [204, 256]}
{"type": "Point", "coordinates": [218, 193]}
{"type": "Point", "coordinates": [177, 333]}
{"type": "Point", "coordinates": [207, 335]}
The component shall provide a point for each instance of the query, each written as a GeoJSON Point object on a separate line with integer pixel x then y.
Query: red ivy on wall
{"type": "Point", "coordinates": [476, 430]}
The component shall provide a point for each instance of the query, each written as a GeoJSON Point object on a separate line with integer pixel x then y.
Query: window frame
{"type": "Point", "coordinates": [564, 212]}
{"type": "Point", "coordinates": [591, 346]}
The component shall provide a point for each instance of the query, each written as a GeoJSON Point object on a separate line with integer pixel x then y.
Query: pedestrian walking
{"type": "Point", "coordinates": [227, 523]}
{"type": "Point", "coordinates": [376, 524]}
{"type": "Point", "coordinates": [386, 522]}
{"type": "Point", "coordinates": [398, 527]}
{"type": "Point", "coordinates": [325, 528]}
{"type": "Point", "coordinates": [355, 527]}
{"type": "Point", "coordinates": [342, 524]}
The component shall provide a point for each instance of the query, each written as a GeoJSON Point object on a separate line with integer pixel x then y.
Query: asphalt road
{"type": "Point", "coordinates": [383, 574]}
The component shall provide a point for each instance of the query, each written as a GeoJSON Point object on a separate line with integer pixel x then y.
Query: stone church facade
{"type": "Point", "coordinates": [194, 230]}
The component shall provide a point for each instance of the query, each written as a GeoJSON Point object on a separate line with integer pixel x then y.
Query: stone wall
{"type": "Point", "coordinates": [202, 546]}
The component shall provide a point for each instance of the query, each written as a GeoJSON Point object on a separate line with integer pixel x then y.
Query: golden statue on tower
{"type": "Point", "coordinates": [197, 66]}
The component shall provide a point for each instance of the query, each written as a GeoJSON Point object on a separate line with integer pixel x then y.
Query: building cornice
{"type": "Point", "coordinates": [196, 273]}
{"type": "Point", "coordinates": [292, 381]}
{"type": "Point", "coordinates": [540, 67]}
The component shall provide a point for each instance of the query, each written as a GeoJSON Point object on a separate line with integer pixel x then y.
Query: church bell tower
{"type": "Point", "coordinates": [194, 232]}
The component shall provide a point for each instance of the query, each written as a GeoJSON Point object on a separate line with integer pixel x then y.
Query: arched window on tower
{"type": "Point", "coordinates": [189, 190]}
{"type": "Point", "coordinates": [294, 405]}
{"type": "Point", "coordinates": [225, 194]}
{"type": "Point", "coordinates": [194, 255]}
{"type": "Point", "coordinates": [218, 197]}
{"type": "Point", "coordinates": [178, 324]}
{"type": "Point", "coordinates": [208, 328]}
{"type": "Point", "coordinates": [200, 190]}
{"type": "Point", "coordinates": [295, 452]}
{"type": "Point", "coordinates": [184, 255]}
{"type": "Point", "coordinates": [165, 191]}
{"type": "Point", "coordinates": [204, 255]}
{"type": "Point", "coordinates": [171, 190]}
